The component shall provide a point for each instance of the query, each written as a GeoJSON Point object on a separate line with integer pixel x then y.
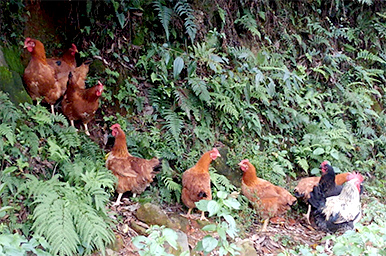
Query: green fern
{"type": "Point", "coordinates": [56, 152]}
{"type": "Point", "coordinates": [173, 123]}
{"type": "Point", "coordinates": [366, 55]}
{"type": "Point", "coordinates": [225, 104]}
{"type": "Point", "coordinates": [249, 22]}
{"type": "Point", "coordinates": [7, 131]}
{"type": "Point", "coordinates": [30, 139]}
{"type": "Point", "coordinates": [67, 136]}
{"type": "Point", "coordinates": [221, 182]}
{"type": "Point", "coordinates": [54, 221]}
{"type": "Point", "coordinates": [165, 15]}
{"type": "Point", "coordinates": [67, 217]}
{"type": "Point", "coordinates": [183, 8]}
{"type": "Point", "coordinates": [199, 87]}
{"type": "Point", "coordinates": [8, 112]}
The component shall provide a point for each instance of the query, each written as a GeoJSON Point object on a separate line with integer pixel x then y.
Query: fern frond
{"type": "Point", "coordinates": [366, 55]}
{"type": "Point", "coordinates": [171, 184]}
{"type": "Point", "coordinates": [95, 183]}
{"type": "Point", "coordinates": [56, 152]}
{"type": "Point", "coordinates": [94, 232]}
{"type": "Point", "coordinates": [224, 103]}
{"type": "Point", "coordinates": [7, 131]}
{"type": "Point", "coordinates": [173, 123]}
{"type": "Point", "coordinates": [8, 111]}
{"type": "Point", "coordinates": [184, 99]}
{"type": "Point", "coordinates": [199, 87]}
{"type": "Point", "coordinates": [67, 136]}
{"type": "Point", "coordinates": [30, 139]}
{"type": "Point", "coordinates": [183, 8]}
{"type": "Point", "coordinates": [42, 117]}
{"type": "Point", "coordinates": [164, 15]}
{"type": "Point", "coordinates": [250, 23]}
{"type": "Point", "coordinates": [59, 118]}
{"type": "Point", "coordinates": [220, 181]}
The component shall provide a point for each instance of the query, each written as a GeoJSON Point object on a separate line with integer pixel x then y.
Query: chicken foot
{"type": "Point", "coordinates": [190, 216]}
{"type": "Point", "coordinates": [203, 216]}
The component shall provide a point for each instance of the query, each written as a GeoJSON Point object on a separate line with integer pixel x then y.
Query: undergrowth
{"type": "Point", "coordinates": [282, 89]}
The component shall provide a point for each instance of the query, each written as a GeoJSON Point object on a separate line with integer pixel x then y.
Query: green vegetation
{"type": "Point", "coordinates": [284, 84]}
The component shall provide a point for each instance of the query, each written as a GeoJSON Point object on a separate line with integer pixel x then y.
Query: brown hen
{"type": "Point", "coordinates": [269, 200]}
{"type": "Point", "coordinates": [41, 79]}
{"type": "Point", "coordinates": [134, 174]}
{"type": "Point", "coordinates": [196, 182]}
{"type": "Point", "coordinates": [81, 104]}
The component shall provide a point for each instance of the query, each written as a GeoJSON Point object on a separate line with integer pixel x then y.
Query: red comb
{"type": "Point", "coordinates": [27, 40]}
{"type": "Point", "coordinates": [115, 126]}
{"type": "Point", "coordinates": [244, 161]}
{"type": "Point", "coordinates": [355, 175]}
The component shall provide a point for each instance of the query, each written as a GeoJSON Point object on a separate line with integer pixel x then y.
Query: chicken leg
{"type": "Point", "coordinates": [86, 129]}
{"type": "Point", "coordinates": [203, 216]}
{"type": "Point", "coordinates": [308, 214]}
{"type": "Point", "coordinates": [118, 202]}
{"type": "Point", "coordinates": [265, 225]}
{"type": "Point", "coordinates": [188, 214]}
{"type": "Point", "coordinates": [52, 109]}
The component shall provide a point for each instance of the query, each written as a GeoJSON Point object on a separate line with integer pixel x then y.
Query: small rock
{"type": "Point", "coordinates": [233, 175]}
{"type": "Point", "coordinates": [247, 248]}
{"type": "Point", "coordinates": [152, 214]}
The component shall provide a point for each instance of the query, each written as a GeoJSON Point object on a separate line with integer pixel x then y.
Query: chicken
{"type": "Point", "coordinates": [325, 188]}
{"type": "Point", "coordinates": [134, 174]}
{"type": "Point", "coordinates": [81, 104]}
{"type": "Point", "coordinates": [41, 79]}
{"type": "Point", "coordinates": [80, 73]}
{"type": "Point", "coordinates": [196, 182]}
{"type": "Point", "coordinates": [341, 212]}
{"type": "Point", "coordinates": [269, 200]}
{"type": "Point", "coordinates": [306, 185]}
{"type": "Point", "coordinates": [66, 63]}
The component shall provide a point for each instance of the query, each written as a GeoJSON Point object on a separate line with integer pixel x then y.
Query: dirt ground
{"type": "Point", "coordinates": [282, 233]}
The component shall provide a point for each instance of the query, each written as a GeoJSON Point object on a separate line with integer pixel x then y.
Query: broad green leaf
{"type": "Point", "coordinates": [315, 171]}
{"type": "Point", "coordinates": [140, 241]}
{"type": "Point", "coordinates": [121, 18]}
{"type": "Point", "coordinates": [304, 164]}
{"type": "Point", "coordinates": [232, 203]}
{"type": "Point", "coordinates": [178, 65]}
{"type": "Point", "coordinates": [213, 208]}
{"type": "Point", "coordinates": [6, 208]}
{"type": "Point", "coordinates": [209, 243]}
{"type": "Point", "coordinates": [170, 236]}
{"type": "Point", "coordinates": [335, 154]}
{"type": "Point", "coordinates": [202, 205]}
{"type": "Point", "coordinates": [210, 227]}
{"type": "Point", "coordinates": [222, 194]}
{"type": "Point", "coordinates": [318, 151]}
